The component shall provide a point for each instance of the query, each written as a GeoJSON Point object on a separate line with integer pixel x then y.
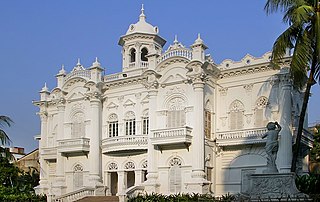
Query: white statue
{"type": "Point", "coordinates": [272, 146]}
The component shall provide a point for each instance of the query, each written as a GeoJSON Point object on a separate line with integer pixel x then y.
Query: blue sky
{"type": "Point", "coordinates": [37, 37]}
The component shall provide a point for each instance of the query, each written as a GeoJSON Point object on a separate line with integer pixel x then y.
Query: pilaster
{"type": "Point", "coordinates": [284, 156]}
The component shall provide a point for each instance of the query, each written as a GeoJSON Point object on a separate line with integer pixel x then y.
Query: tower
{"type": "Point", "coordinates": [140, 41]}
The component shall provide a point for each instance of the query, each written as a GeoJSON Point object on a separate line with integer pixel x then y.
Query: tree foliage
{"type": "Point", "coordinates": [303, 35]}
{"type": "Point", "coordinates": [17, 185]}
{"type": "Point", "coordinates": [315, 151]}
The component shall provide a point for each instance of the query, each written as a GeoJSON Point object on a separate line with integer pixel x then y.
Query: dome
{"type": "Point", "coordinates": [142, 26]}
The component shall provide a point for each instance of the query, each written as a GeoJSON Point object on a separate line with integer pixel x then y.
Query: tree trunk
{"type": "Point", "coordinates": [302, 116]}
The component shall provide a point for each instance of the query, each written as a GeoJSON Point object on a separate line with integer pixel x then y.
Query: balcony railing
{"type": "Point", "coordinates": [79, 73]}
{"type": "Point", "coordinates": [142, 64]}
{"type": "Point", "coordinates": [74, 146]}
{"type": "Point", "coordinates": [172, 136]}
{"type": "Point", "coordinates": [239, 137]}
{"type": "Point", "coordinates": [49, 153]}
{"type": "Point", "coordinates": [177, 52]}
{"type": "Point", "coordinates": [124, 143]}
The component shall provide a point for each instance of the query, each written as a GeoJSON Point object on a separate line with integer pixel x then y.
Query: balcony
{"type": "Point", "coordinates": [125, 143]}
{"type": "Point", "coordinates": [172, 137]}
{"type": "Point", "coordinates": [74, 147]}
{"type": "Point", "coordinates": [49, 153]}
{"type": "Point", "coordinates": [240, 137]}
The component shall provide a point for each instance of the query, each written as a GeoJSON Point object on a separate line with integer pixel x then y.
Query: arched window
{"type": "Point", "coordinates": [144, 52]}
{"type": "Point", "coordinates": [236, 115]}
{"type": "Point", "coordinates": [132, 55]}
{"type": "Point", "coordinates": [176, 116]}
{"type": "Point", "coordinates": [78, 125]}
{"type": "Point", "coordinates": [113, 125]}
{"type": "Point", "coordinates": [175, 175]}
{"type": "Point", "coordinates": [130, 121]}
{"type": "Point", "coordinates": [259, 116]}
{"type": "Point", "coordinates": [77, 177]}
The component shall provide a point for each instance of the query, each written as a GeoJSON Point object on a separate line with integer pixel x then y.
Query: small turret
{"type": "Point", "coordinates": [44, 93]}
{"type": "Point", "coordinates": [96, 71]}
{"type": "Point", "coordinates": [198, 49]}
{"type": "Point", "coordinates": [60, 77]}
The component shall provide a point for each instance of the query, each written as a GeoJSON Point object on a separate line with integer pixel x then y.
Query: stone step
{"type": "Point", "coordinates": [99, 199]}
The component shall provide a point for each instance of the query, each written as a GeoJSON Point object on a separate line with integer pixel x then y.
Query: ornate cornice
{"type": "Point", "coordinates": [123, 82]}
{"type": "Point", "coordinates": [245, 71]}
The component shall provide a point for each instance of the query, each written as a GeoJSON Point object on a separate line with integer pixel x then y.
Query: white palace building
{"type": "Point", "coordinates": [172, 121]}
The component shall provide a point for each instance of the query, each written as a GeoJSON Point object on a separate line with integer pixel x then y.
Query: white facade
{"type": "Point", "coordinates": [172, 121]}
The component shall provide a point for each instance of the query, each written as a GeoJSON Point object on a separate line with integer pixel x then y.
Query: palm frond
{"type": "Point", "coordinates": [5, 120]}
{"type": "Point", "coordinates": [301, 58]}
{"type": "Point", "coordinates": [286, 40]}
{"type": "Point", "coordinates": [299, 14]}
{"type": "Point", "coordinates": [278, 5]}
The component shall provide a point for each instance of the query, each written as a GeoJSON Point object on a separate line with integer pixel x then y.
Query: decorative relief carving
{"type": "Point", "coordinates": [175, 161]}
{"type": "Point", "coordinates": [113, 166]}
{"type": "Point", "coordinates": [129, 165]}
{"type": "Point", "coordinates": [145, 164]}
{"type": "Point", "coordinates": [113, 117]}
{"type": "Point", "coordinates": [262, 102]}
{"type": "Point", "coordinates": [78, 168]}
{"type": "Point", "coordinates": [223, 91]}
{"type": "Point", "coordinates": [236, 106]}
{"type": "Point", "coordinates": [120, 98]}
{"type": "Point", "coordinates": [248, 118]}
{"type": "Point", "coordinates": [174, 90]}
{"type": "Point", "coordinates": [130, 115]}
{"type": "Point", "coordinates": [223, 121]}
{"type": "Point", "coordinates": [176, 103]}
{"type": "Point", "coordinates": [248, 87]}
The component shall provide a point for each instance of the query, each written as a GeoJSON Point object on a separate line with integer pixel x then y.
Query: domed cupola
{"type": "Point", "coordinates": [142, 26]}
{"type": "Point", "coordinates": [140, 41]}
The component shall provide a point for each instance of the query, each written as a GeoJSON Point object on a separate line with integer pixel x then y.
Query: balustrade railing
{"type": "Point", "coordinates": [178, 52]}
{"type": "Point", "coordinates": [75, 141]}
{"type": "Point", "coordinates": [79, 73]}
{"type": "Point", "coordinates": [248, 134]}
{"type": "Point", "coordinates": [121, 143]}
{"type": "Point", "coordinates": [75, 195]}
{"type": "Point", "coordinates": [126, 139]}
{"type": "Point", "coordinates": [112, 77]}
{"type": "Point", "coordinates": [172, 132]}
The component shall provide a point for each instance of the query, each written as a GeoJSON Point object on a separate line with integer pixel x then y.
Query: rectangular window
{"type": "Point", "coordinates": [176, 118]}
{"type": "Point", "coordinates": [236, 120]}
{"type": "Point", "coordinates": [113, 129]}
{"type": "Point", "coordinates": [131, 127]}
{"type": "Point", "coordinates": [145, 125]}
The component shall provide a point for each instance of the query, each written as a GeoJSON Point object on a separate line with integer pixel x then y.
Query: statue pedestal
{"type": "Point", "coordinates": [274, 186]}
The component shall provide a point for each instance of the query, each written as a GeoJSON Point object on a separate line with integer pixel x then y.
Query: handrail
{"type": "Point", "coordinates": [246, 133]}
{"type": "Point", "coordinates": [75, 195]}
{"type": "Point", "coordinates": [176, 52]}
{"type": "Point", "coordinates": [79, 73]}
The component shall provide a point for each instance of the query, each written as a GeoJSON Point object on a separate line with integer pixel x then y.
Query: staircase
{"type": "Point", "coordinates": [99, 199]}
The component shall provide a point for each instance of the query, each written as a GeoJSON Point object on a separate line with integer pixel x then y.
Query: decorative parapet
{"type": "Point", "coordinates": [124, 143]}
{"type": "Point", "coordinates": [239, 137]}
{"type": "Point", "coordinates": [172, 136]}
{"type": "Point", "coordinates": [176, 52]}
{"type": "Point", "coordinates": [78, 73]}
{"type": "Point", "coordinates": [74, 146]}
{"type": "Point", "coordinates": [49, 153]}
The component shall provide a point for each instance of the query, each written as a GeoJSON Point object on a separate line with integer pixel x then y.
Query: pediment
{"type": "Point", "coordinates": [75, 95]}
{"type": "Point", "coordinates": [112, 105]}
{"type": "Point", "coordinates": [128, 102]}
{"type": "Point", "coordinates": [174, 78]}
{"type": "Point", "coordinates": [145, 100]}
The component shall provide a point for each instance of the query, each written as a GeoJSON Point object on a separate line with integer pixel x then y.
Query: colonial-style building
{"type": "Point", "coordinates": [172, 121]}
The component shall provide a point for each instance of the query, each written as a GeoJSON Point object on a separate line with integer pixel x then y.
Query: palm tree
{"type": "Point", "coordinates": [303, 35]}
{"type": "Point", "coordinates": [4, 138]}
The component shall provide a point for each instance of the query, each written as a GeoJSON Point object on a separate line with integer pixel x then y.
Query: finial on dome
{"type": "Point", "coordinates": [142, 15]}
{"type": "Point", "coordinates": [78, 63]}
{"type": "Point", "coordinates": [62, 70]}
{"type": "Point", "coordinates": [175, 39]}
{"type": "Point", "coordinates": [199, 40]}
{"type": "Point", "coordinates": [96, 63]}
{"type": "Point", "coordinates": [45, 88]}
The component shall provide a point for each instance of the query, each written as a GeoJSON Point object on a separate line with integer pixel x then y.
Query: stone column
{"type": "Point", "coordinates": [152, 176]}
{"type": "Point", "coordinates": [95, 137]}
{"type": "Point", "coordinates": [138, 177]}
{"type": "Point", "coordinates": [42, 144]}
{"type": "Point", "coordinates": [198, 131]}
{"type": "Point", "coordinates": [122, 183]}
{"type": "Point", "coordinates": [284, 156]}
{"type": "Point", "coordinates": [59, 184]}
{"type": "Point", "coordinates": [108, 183]}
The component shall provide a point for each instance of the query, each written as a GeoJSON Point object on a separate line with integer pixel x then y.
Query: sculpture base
{"type": "Point", "coordinates": [274, 187]}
